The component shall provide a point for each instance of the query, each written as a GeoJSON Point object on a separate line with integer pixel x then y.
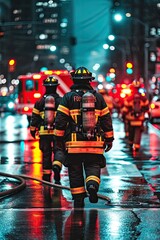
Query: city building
{"type": "Point", "coordinates": [67, 34]}
{"type": "Point", "coordinates": [136, 33]}
{"type": "Point", "coordinates": [37, 34]}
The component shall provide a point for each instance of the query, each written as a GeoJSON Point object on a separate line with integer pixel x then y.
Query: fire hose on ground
{"type": "Point", "coordinates": [22, 185]}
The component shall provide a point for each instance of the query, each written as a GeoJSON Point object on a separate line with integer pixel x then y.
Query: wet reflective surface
{"type": "Point", "coordinates": [42, 211]}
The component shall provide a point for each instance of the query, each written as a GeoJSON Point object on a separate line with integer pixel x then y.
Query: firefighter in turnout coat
{"type": "Point", "coordinates": [135, 107]}
{"type": "Point", "coordinates": [42, 122]}
{"type": "Point", "coordinates": [84, 121]}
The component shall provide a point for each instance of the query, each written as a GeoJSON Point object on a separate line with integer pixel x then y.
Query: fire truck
{"type": "Point", "coordinates": [31, 88]}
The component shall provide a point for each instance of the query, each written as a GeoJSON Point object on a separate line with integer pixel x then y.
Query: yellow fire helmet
{"type": "Point", "coordinates": [50, 81]}
{"type": "Point", "coordinates": [82, 73]}
{"type": "Point", "coordinates": [136, 84]}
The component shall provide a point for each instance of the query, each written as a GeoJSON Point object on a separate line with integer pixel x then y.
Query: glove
{"type": "Point", "coordinates": [33, 133]}
{"type": "Point", "coordinates": [107, 146]}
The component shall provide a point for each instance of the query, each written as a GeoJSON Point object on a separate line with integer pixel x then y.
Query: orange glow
{"type": "Point", "coordinates": [122, 95]}
{"type": "Point", "coordinates": [129, 65]}
{"type": "Point", "coordinates": [37, 95]}
{"type": "Point", "coordinates": [36, 76]}
{"type": "Point", "coordinates": [48, 72]}
{"type": "Point", "coordinates": [112, 70]}
{"type": "Point", "coordinates": [58, 72]}
{"type": "Point", "coordinates": [123, 85]}
{"type": "Point", "coordinates": [65, 72]}
{"type": "Point", "coordinates": [127, 91]}
{"type": "Point", "coordinates": [4, 93]}
{"type": "Point", "coordinates": [37, 168]}
{"type": "Point", "coordinates": [152, 106]}
{"type": "Point", "coordinates": [26, 109]}
{"type": "Point", "coordinates": [11, 62]}
{"type": "Point", "coordinates": [36, 221]}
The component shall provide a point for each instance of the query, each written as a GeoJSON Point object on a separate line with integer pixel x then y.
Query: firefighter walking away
{"type": "Point", "coordinates": [42, 123]}
{"type": "Point", "coordinates": [84, 121]}
{"type": "Point", "coordinates": [135, 107]}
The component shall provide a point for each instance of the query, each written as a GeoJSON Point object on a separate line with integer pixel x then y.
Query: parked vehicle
{"type": "Point", "coordinates": [31, 88]}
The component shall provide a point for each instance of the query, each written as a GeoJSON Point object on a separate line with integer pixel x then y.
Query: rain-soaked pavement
{"type": "Point", "coordinates": [41, 211]}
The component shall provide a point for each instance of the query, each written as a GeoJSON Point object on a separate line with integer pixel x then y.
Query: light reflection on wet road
{"type": "Point", "coordinates": [43, 212]}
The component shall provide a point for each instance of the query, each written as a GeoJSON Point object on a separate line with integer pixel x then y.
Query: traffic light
{"type": "Point", "coordinates": [129, 68]}
{"type": "Point", "coordinates": [111, 74]}
{"type": "Point", "coordinates": [11, 65]}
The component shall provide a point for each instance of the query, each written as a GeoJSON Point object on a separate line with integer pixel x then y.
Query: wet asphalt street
{"type": "Point", "coordinates": [42, 211]}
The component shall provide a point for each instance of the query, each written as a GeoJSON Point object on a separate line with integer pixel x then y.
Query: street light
{"type": "Point", "coordinates": [125, 50]}
{"type": "Point", "coordinates": [146, 45]}
{"type": "Point", "coordinates": [112, 48]}
{"type": "Point", "coordinates": [111, 37]}
{"type": "Point", "coordinates": [118, 17]}
{"type": "Point", "coordinates": [127, 43]}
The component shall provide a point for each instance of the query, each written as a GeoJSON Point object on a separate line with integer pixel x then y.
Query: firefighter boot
{"type": "Point", "coordinates": [56, 169]}
{"type": "Point", "coordinates": [136, 147]}
{"type": "Point", "coordinates": [93, 198]}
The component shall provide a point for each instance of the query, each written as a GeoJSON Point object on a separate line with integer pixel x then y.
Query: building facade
{"type": "Point", "coordinates": [37, 35]}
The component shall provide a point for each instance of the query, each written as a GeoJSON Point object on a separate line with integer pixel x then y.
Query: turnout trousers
{"type": "Point", "coordinates": [46, 146]}
{"type": "Point", "coordinates": [83, 170]}
{"type": "Point", "coordinates": [135, 134]}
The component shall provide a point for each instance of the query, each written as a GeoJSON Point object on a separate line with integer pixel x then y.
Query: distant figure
{"type": "Point", "coordinates": [42, 122]}
{"type": "Point", "coordinates": [135, 107]}
{"type": "Point", "coordinates": [108, 99]}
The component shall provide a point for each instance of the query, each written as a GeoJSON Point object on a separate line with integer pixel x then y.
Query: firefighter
{"type": "Point", "coordinates": [84, 118]}
{"type": "Point", "coordinates": [135, 107]}
{"type": "Point", "coordinates": [42, 122]}
{"type": "Point", "coordinates": [108, 99]}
